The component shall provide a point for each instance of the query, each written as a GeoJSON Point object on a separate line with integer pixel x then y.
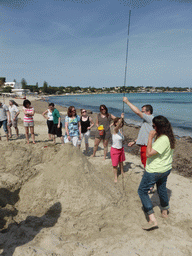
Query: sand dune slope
{"type": "Point", "coordinates": [57, 201]}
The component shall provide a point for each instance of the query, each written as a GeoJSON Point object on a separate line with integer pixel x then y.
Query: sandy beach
{"type": "Point", "coordinates": [55, 200]}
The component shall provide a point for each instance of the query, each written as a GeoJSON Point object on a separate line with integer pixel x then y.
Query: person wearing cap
{"type": "Point", "coordinates": [4, 118]}
{"type": "Point", "coordinates": [14, 112]}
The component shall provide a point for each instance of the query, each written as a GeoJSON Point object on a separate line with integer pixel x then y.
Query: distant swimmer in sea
{"type": "Point", "coordinates": [28, 121]}
{"type": "Point", "coordinates": [146, 114]}
{"type": "Point", "coordinates": [103, 132]}
{"type": "Point", "coordinates": [57, 125]}
{"type": "Point", "coordinates": [4, 118]}
{"type": "Point", "coordinates": [117, 149]}
{"type": "Point", "coordinates": [14, 112]}
{"type": "Point", "coordinates": [73, 127]}
{"type": "Point", "coordinates": [86, 125]}
{"type": "Point", "coordinates": [47, 114]}
{"type": "Point", "coordinates": [159, 164]}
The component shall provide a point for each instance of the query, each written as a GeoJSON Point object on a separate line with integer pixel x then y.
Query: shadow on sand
{"type": "Point", "coordinates": [18, 234]}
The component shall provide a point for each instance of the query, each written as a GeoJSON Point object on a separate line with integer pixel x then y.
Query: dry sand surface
{"type": "Point", "coordinates": [57, 201]}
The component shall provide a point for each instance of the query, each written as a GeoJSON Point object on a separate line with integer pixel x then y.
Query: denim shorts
{"type": "Point", "coordinates": [4, 123]}
{"type": "Point", "coordinates": [28, 124]}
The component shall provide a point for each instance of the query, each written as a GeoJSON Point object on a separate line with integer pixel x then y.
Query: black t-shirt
{"type": "Point", "coordinates": [84, 125]}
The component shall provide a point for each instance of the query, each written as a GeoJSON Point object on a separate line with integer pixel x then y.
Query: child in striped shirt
{"type": "Point", "coordinates": [28, 120]}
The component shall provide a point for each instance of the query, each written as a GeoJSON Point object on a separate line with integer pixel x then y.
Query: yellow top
{"type": "Point", "coordinates": [162, 161]}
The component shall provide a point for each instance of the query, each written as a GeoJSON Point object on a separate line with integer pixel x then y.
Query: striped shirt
{"type": "Point", "coordinates": [28, 119]}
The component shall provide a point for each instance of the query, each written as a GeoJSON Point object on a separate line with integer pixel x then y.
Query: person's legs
{"type": "Point", "coordinates": [1, 123]}
{"type": "Point", "coordinates": [105, 145]}
{"type": "Point", "coordinates": [148, 180]}
{"type": "Point", "coordinates": [5, 129]}
{"type": "Point", "coordinates": [115, 173]}
{"type": "Point", "coordinates": [74, 141]}
{"type": "Point", "coordinates": [53, 132]}
{"type": "Point", "coordinates": [87, 135]}
{"type": "Point", "coordinates": [50, 127]}
{"type": "Point", "coordinates": [17, 131]}
{"type": "Point", "coordinates": [9, 130]}
{"type": "Point", "coordinates": [27, 134]}
{"type": "Point", "coordinates": [32, 134]}
{"type": "Point", "coordinates": [16, 128]}
{"type": "Point", "coordinates": [96, 144]}
{"type": "Point", "coordinates": [143, 155]}
{"type": "Point", "coordinates": [121, 160]}
{"type": "Point", "coordinates": [115, 160]}
{"type": "Point", "coordinates": [121, 168]}
{"type": "Point", "coordinates": [162, 191]}
{"type": "Point", "coordinates": [54, 139]}
{"type": "Point", "coordinates": [59, 133]}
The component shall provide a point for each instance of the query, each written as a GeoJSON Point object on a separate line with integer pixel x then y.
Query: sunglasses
{"type": "Point", "coordinates": [84, 111]}
{"type": "Point", "coordinates": [73, 110]}
{"type": "Point", "coordinates": [103, 109]}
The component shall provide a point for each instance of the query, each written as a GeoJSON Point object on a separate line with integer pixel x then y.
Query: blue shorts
{"type": "Point", "coordinates": [4, 123]}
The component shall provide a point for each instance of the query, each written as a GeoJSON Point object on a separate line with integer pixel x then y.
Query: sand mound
{"type": "Point", "coordinates": [56, 201]}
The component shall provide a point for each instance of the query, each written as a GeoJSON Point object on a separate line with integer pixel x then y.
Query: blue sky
{"type": "Point", "coordinates": [83, 42]}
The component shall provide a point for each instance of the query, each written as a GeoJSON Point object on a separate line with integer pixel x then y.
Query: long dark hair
{"type": "Point", "coordinates": [163, 126]}
{"type": "Point", "coordinates": [69, 111]}
{"type": "Point", "coordinates": [14, 103]}
{"type": "Point", "coordinates": [103, 106]}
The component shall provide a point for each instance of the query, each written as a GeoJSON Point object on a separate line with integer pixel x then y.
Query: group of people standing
{"type": "Point", "coordinates": [155, 138]}
{"type": "Point", "coordinates": [76, 127]}
{"type": "Point", "coordinates": [9, 118]}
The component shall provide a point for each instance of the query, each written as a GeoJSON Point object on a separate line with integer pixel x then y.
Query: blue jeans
{"type": "Point", "coordinates": [148, 181]}
{"type": "Point", "coordinates": [4, 123]}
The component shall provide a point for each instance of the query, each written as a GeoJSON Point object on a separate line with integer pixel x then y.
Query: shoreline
{"type": "Point", "coordinates": [181, 124]}
{"type": "Point", "coordinates": [128, 124]}
{"type": "Point", "coordinates": [100, 93]}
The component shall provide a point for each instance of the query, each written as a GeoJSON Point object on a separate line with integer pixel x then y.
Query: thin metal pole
{"type": "Point", "coordinates": [125, 77]}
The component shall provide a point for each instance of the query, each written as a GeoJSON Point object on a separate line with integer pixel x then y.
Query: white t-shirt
{"type": "Point", "coordinates": [3, 112]}
{"type": "Point", "coordinates": [13, 111]}
{"type": "Point", "coordinates": [49, 115]}
{"type": "Point", "coordinates": [117, 140]}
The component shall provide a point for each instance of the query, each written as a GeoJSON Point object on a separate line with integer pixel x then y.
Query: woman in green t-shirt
{"type": "Point", "coordinates": [159, 164]}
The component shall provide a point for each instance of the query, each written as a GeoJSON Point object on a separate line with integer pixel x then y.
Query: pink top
{"type": "Point", "coordinates": [28, 119]}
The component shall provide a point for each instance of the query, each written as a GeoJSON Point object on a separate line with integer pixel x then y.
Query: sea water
{"type": "Point", "coordinates": [175, 106]}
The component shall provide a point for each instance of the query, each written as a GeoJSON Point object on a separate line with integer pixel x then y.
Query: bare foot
{"type": "Point", "coordinates": [34, 142]}
{"type": "Point", "coordinates": [27, 142]}
{"type": "Point", "coordinates": [164, 214]}
{"type": "Point", "coordinates": [92, 155]}
{"type": "Point", "coordinates": [115, 180]}
{"type": "Point", "coordinates": [150, 225]}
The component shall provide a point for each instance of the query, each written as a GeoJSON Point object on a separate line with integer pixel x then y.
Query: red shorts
{"type": "Point", "coordinates": [143, 155]}
{"type": "Point", "coordinates": [117, 156]}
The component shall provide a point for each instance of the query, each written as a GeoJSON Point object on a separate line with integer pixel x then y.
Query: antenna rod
{"type": "Point", "coordinates": [125, 78]}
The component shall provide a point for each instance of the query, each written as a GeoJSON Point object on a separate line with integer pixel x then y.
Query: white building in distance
{"type": "Point", "coordinates": [9, 84]}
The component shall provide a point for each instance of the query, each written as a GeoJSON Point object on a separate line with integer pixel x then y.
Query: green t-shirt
{"type": "Point", "coordinates": [56, 116]}
{"type": "Point", "coordinates": [162, 161]}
